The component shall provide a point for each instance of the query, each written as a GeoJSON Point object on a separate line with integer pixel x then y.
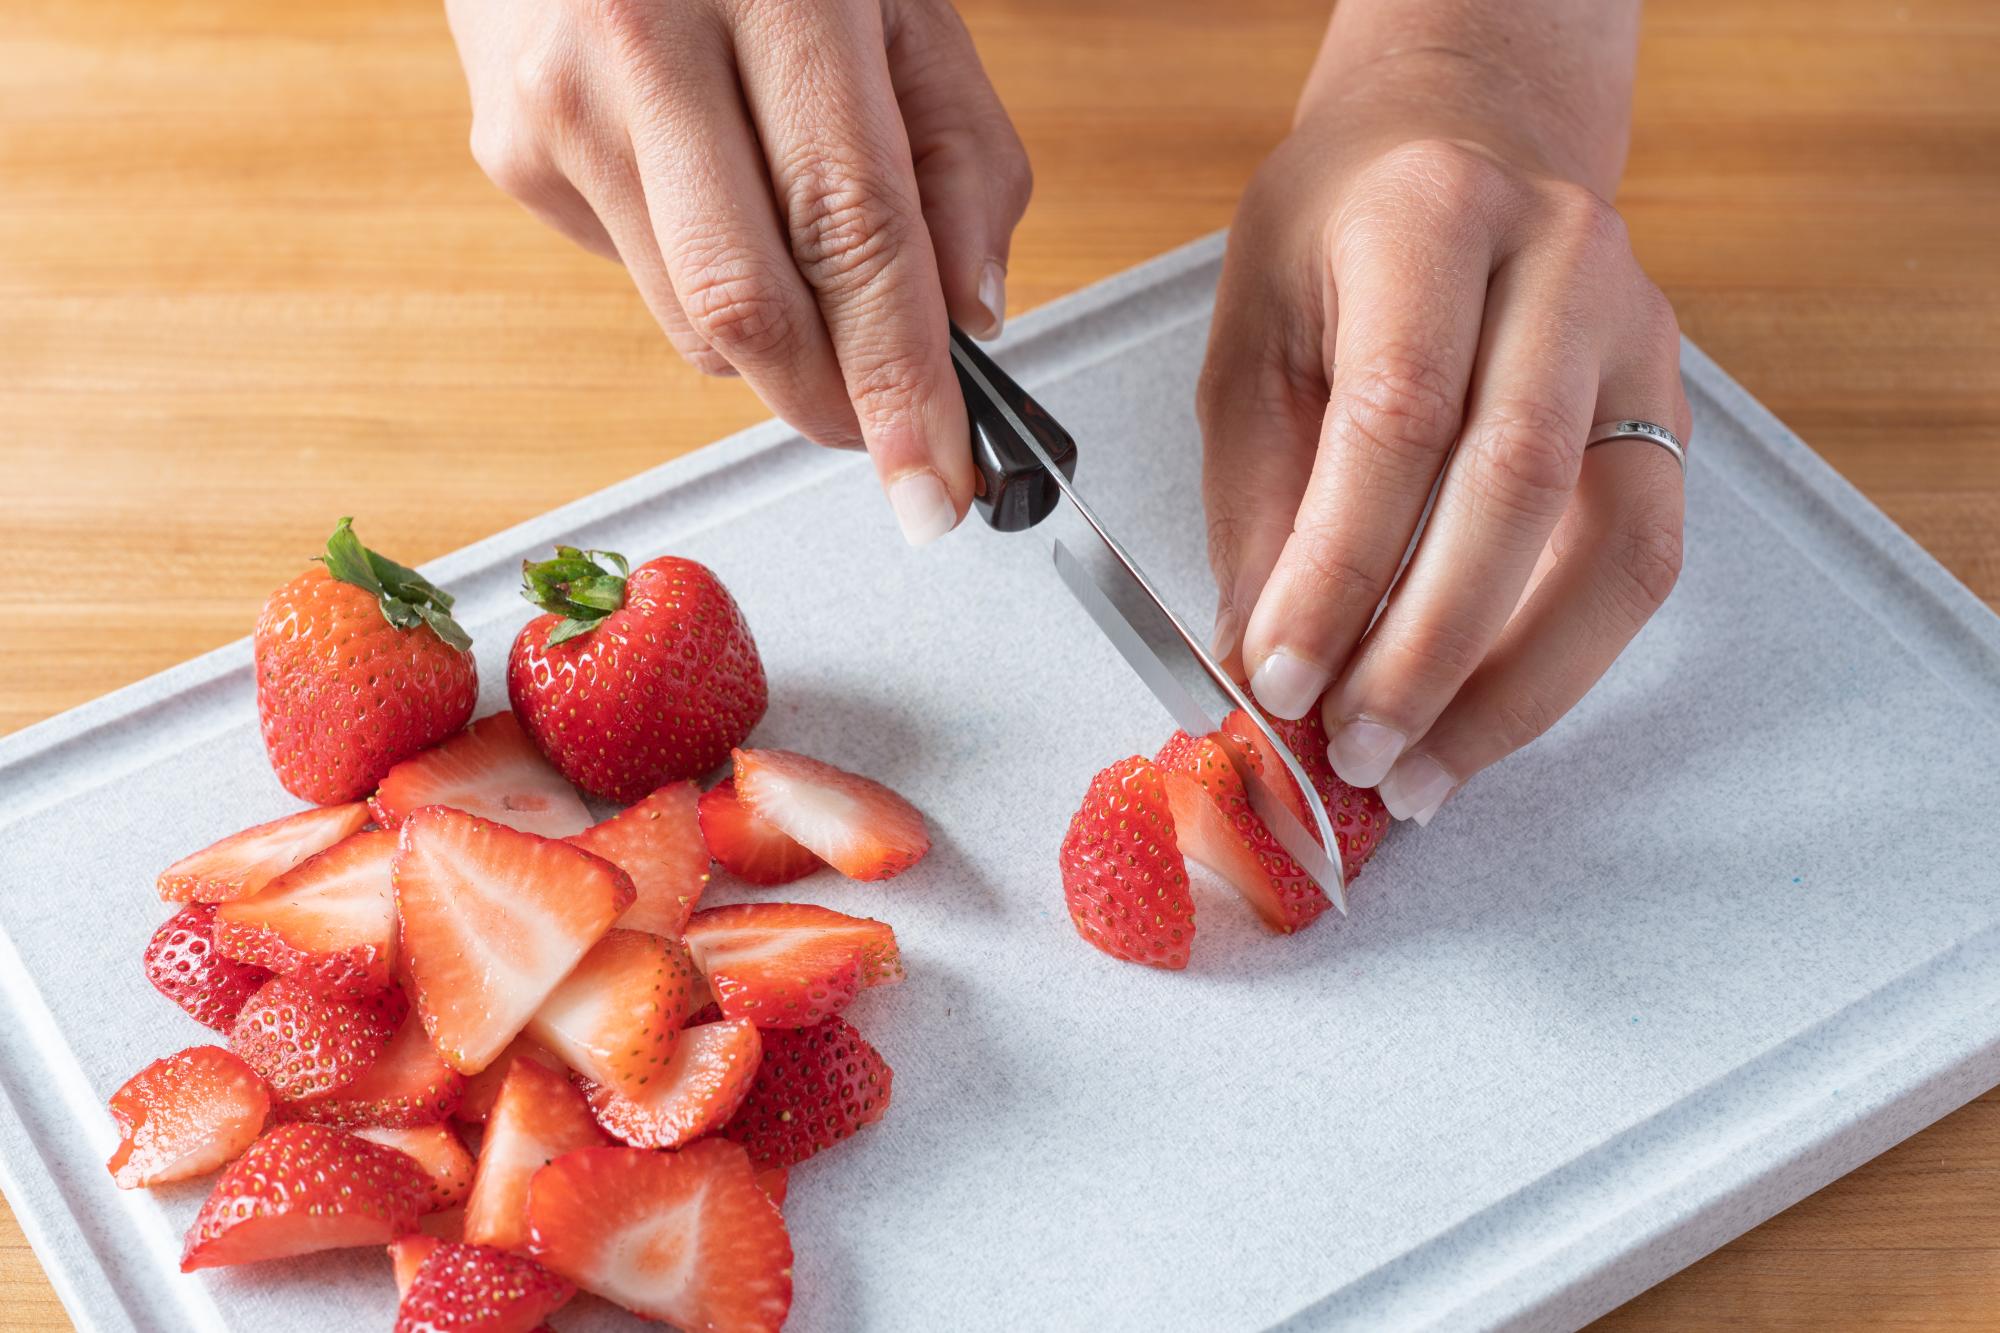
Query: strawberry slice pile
{"type": "Point", "coordinates": [468, 1022]}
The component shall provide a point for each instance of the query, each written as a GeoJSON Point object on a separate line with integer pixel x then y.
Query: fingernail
{"type": "Point", "coordinates": [1362, 751]}
{"type": "Point", "coordinates": [1228, 629]}
{"type": "Point", "coordinates": [1415, 788]}
{"type": "Point", "coordinates": [1287, 685]}
{"type": "Point", "coordinates": [923, 507]}
{"type": "Point", "coordinates": [993, 295]}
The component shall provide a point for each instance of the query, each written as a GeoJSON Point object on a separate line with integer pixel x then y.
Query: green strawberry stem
{"type": "Point", "coordinates": [583, 587]}
{"type": "Point", "coordinates": [407, 598]}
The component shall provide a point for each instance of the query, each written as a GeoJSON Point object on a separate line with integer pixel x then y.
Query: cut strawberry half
{"type": "Point", "coordinates": [854, 824]}
{"type": "Point", "coordinates": [243, 863]}
{"type": "Point", "coordinates": [1360, 820]}
{"type": "Point", "coordinates": [618, 1015]}
{"type": "Point", "coordinates": [491, 769]}
{"type": "Point", "coordinates": [406, 1087]}
{"type": "Point", "coordinates": [686, 1237]}
{"type": "Point", "coordinates": [815, 1087]}
{"type": "Point", "coordinates": [329, 921]}
{"type": "Point", "coordinates": [752, 849]}
{"type": "Point", "coordinates": [702, 1087]}
{"type": "Point", "coordinates": [184, 965]}
{"type": "Point", "coordinates": [460, 1288]}
{"type": "Point", "coordinates": [773, 1182]}
{"type": "Point", "coordinates": [438, 1152]}
{"type": "Point", "coordinates": [658, 843]}
{"type": "Point", "coordinates": [1122, 875]}
{"type": "Point", "coordinates": [492, 919]}
{"type": "Point", "coordinates": [1214, 824]}
{"type": "Point", "coordinates": [407, 1255]}
{"type": "Point", "coordinates": [537, 1118]}
{"type": "Point", "coordinates": [790, 964]}
{"type": "Point", "coordinates": [483, 1089]}
{"type": "Point", "coordinates": [304, 1188]}
{"type": "Point", "coordinates": [306, 1043]}
{"type": "Point", "coordinates": [186, 1115]}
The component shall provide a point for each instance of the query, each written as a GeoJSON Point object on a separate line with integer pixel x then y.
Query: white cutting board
{"type": "Point", "coordinates": [1724, 934]}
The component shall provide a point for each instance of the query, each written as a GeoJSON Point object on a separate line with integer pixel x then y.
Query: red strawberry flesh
{"type": "Point", "coordinates": [853, 823]}
{"type": "Point", "coordinates": [658, 843]}
{"type": "Point", "coordinates": [537, 1118]}
{"type": "Point", "coordinates": [185, 1115]}
{"type": "Point", "coordinates": [243, 863]}
{"type": "Point", "coordinates": [405, 1087]}
{"type": "Point", "coordinates": [184, 965]}
{"type": "Point", "coordinates": [492, 770]}
{"type": "Point", "coordinates": [1122, 874]}
{"type": "Point", "coordinates": [617, 1016]}
{"type": "Point", "coordinates": [752, 849]}
{"type": "Point", "coordinates": [329, 921]}
{"type": "Point", "coordinates": [700, 1090]}
{"type": "Point", "coordinates": [790, 964]}
{"type": "Point", "coordinates": [438, 1153]}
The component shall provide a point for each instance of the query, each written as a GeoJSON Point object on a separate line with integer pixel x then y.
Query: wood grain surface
{"type": "Point", "coordinates": [250, 280]}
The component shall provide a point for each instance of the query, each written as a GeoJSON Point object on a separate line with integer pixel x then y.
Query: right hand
{"type": "Point", "coordinates": [801, 191]}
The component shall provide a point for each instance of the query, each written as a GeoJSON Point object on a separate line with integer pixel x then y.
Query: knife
{"type": "Point", "coordinates": [1026, 463]}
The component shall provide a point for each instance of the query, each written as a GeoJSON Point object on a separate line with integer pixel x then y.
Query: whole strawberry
{"type": "Point", "coordinates": [359, 666]}
{"type": "Point", "coordinates": [636, 677]}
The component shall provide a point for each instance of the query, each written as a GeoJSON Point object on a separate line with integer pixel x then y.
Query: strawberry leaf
{"type": "Point", "coordinates": [407, 598]}
{"type": "Point", "coordinates": [583, 587]}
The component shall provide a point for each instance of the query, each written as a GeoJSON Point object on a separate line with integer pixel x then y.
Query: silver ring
{"type": "Point", "coordinates": [1633, 429]}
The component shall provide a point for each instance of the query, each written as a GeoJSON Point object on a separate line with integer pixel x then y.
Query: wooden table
{"type": "Point", "coordinates": [250, 280]}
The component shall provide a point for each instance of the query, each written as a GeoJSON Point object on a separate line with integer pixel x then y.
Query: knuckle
{"type": "Point", "coordinates": [1330, 569]}
{"type": "Point", "coordinates": [1521, 718]}
{"type": "Point", "coordinates": [549, 86]}
{"type": "Point", "coordinates": [844, 228]}
{"type": "Point", "coordinates": [1403, 404]}
{"type": "Point", "coordinates": [885, 386]}
{"type": "Point", "coordinates": [1442, 651]}
{"type": "Point", "coordinates": [1583, 223]}
{"type": "Point", "coordinates": [1527, 456]}
{"type": "Point", "coordinates": [504, 155]}
{"type": "Point", "coordinates": [1646, 563]}
{"type": "Point", "coordinates": [1444, 170]}
{"type": "Point", "coordinates": [737, 313]}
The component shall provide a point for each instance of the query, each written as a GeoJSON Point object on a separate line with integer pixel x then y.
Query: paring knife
{"type": "Point", "coordinates": [1027, 464]}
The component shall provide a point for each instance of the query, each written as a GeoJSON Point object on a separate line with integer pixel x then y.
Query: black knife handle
{"type": "Point", "coordinates": [1015, 491]}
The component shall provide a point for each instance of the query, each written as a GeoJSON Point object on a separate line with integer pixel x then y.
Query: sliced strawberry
{"type": "Point", "coordinates": [491, 769]}
{"type": "Point", "coordinates": [243, 863]}
{"type": "Point", "coordinates": [185, 1116]}
{"type": "Point", "coordinates": [306, 1043]}
{"type": "Point", "coordinates": [854, 824]}
{"type": "Point", "coordinates": [330, 921]}
{"type": "Point", "coordinates": [707, 1080]}
{"type": "Point", "coordinates": [537, 1118]}
{"type": "Point", "coordinates": [658, 843]}
{"type": "Point", "coordinates": [773, 1182]}
{"type": "Point", "coordinates": [617, 1016]}
{"type": "Point", "coordinates": [460, 1288]}
{"type": "Point", "coordinates": [483, 1088]}
{"type": "Point", "coordinates": [184, 965]}
{"type": "Point", "coordinates": [1214, 824]}
{"type": "Point", "coordinates": [407, 1255]}
{"type": "Point", "coordinates": [438, 1151]}
{"type": "Point", "coordinates": [790, 964]}
{"type": "Point", "coordinates": [752, 849]}
{"type": "Point", "coordinates": [1122, 875]}
{"type": "Point", "coordinates": [815, 1086]}
{"type": "Point", "coordinates": [492, 919]}
{"type": "Point", "coordinates": [683, 1237]}
{"type": "Point", "coordinates": [406, 1087]}
{"type": "Point", "coordinates": [1360, 820]}
{"type": "Point", "coordinates": [303, 1188]}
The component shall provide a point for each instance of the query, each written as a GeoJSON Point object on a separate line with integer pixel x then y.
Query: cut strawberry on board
{"type": "Point", "coordinates": [407, 1255]}
{"type": "Point", "coordinates": [483, 1089]}
{"type": "Point", "coordinates": [701, 1088]}
{"type": "Point", "coordinates": [243, 863]}
{"type": "Point", "coordinates": [789, 964]}
{"type": "Point", "coordinates": [686, 1237]}
{"type": "Point", "coordinates": [491, 769]}
{"type": "Point", "coordinates": [618, 1015]}
{"type": "Point", "coordinates": [1122, 874]}
{"type": "Point", "coordinates": [439, 1152]}
{"type": "Point", "coordinates": [461, 1288]}
{"type": "Point", "coordinates": [407, 1086]}
{"type": "Point", "coordinates": [537, 1118]}
{"type": "Point", "coordinates": [752, 849]}
{"type": "Point", "coordinates": [306, 1043]}
{"type": "Point", "coordinates": [814, 1087]}
{"type": "Point", "coordinates": [304, 1188]}
{"type": "Point", "coordinates": [330, 921]}
{"type": "Point", "coordinates": [854, 824]}
{"type": "Point", "coordinates": [184, 1116]}
{"type": "Point", "coordinates": [184, 965]}
{"type": "Point", "coordinates": [658, 843]}
{"type": "Point", "coordinates": [773, 1182]}
{"type": "Point", "coordinates": [492, 920]}
{"type": "Point", "coordinates": [1214, 824]}
{"type": "Point", "coordinates": [1360, 820]}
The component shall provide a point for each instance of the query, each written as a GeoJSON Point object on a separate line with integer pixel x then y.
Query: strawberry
{"type": "Point", "coordinates": [407, 1086]}
{"type": "Point", "coordinates": [492, 919]}
{"type": "Point", "coordinates": [329, 921]}
{"type": "Point", "coordinates": [243, 863]}
{"type": "Point", "coordinates": [1214, 824]}
{"type": "Point", "coordinates": [1122, 875]}
{"type": "Point", "coordinates": [483, 1088]}
{"type": "Point", "coordinates": [303, 1188]}
{"type": "Point", "coordinates": [658, 843]}
{"type": "Point", "coordinates": [184, 965]}
{"type": "Point", "coordinates": [185, 1116]}
{"type": "Point", "coordinates": [789, 964]}
{"type": "Point", "coordinates": [359, 666]}
{"type": "Point", "coordinates": [305, 1043]}
{"type": "Point", "coordinates": [438, 1152]}
{"type": "Point", "coordinates": [491, 769]}
{"type": "Point", "coordinates": [701, 1088]}
{"type": "Point", "coordinates": [537, 1118]}
{"type": "Point", "coordinates": [1360, 820]}
{"type": "Point", "coordinates": [407, 1255]}
{"type": "Point", "coordinates": [637, 677]}
{"type": "Point", "coordinates": [773, 1182]}
{"type": "Point", "coordinates": [815, 1086]}
{"type": "Point", "coordinates": [459, 1288]}
{"type": "Point", "coordinates": [854, 824]}
{"type": "Point", "coordinates": [750, 848]}
{"type": "Point", "coordinates": [617, 1016]}
{"type": "Point", "coordinates": [686, 1237]}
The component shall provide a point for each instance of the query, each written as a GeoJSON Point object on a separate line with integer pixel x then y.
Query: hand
{"type": "Point", "coordinates": [1408, 296]}
{"type": "Point", "coordinates": [801, 192]}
